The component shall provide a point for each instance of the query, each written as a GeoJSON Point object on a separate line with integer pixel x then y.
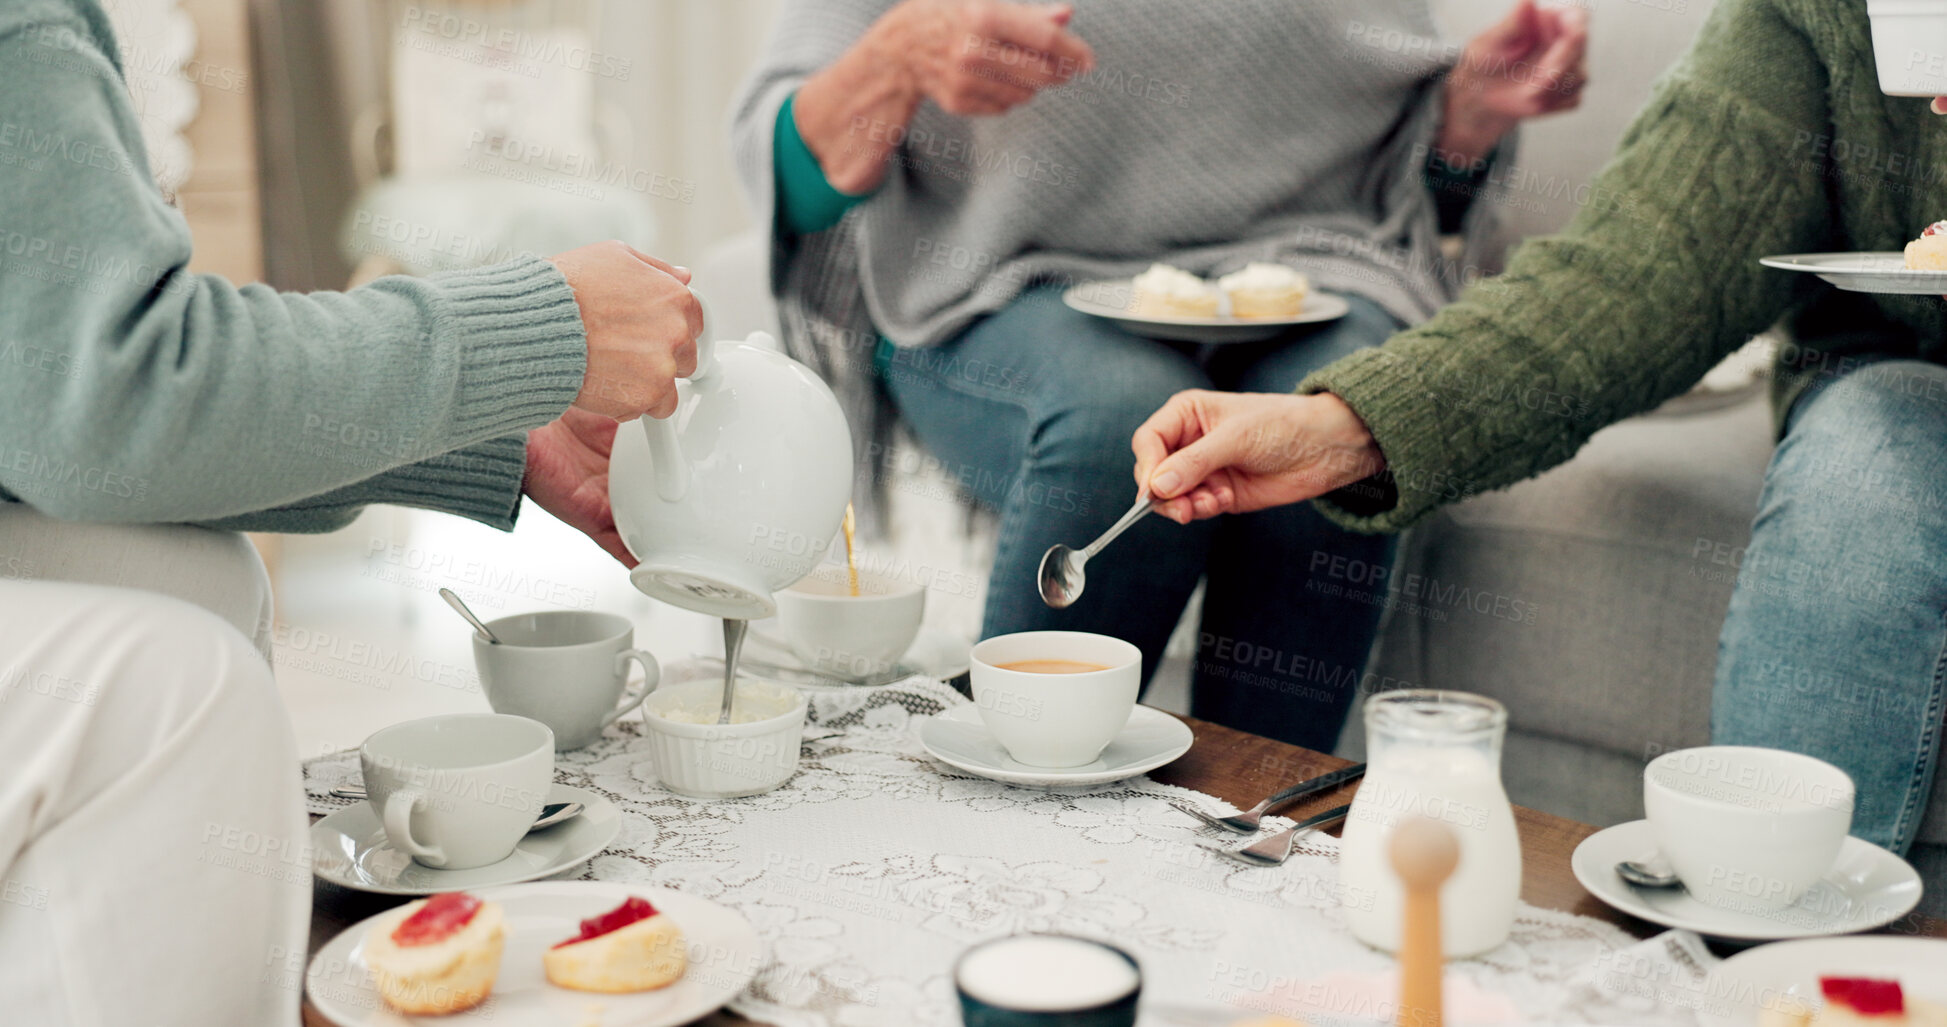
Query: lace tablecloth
{"type": "Point", "coordinates": [873, 868]}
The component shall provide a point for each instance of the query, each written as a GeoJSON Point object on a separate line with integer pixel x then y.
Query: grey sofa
{"type": "Point", "coordinates": [1617, 662]}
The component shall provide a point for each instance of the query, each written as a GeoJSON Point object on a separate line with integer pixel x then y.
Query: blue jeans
{"type": "Point", "coordinates": [1032, 409]}
{"type": "Point", "coordinates": [1836, 640]}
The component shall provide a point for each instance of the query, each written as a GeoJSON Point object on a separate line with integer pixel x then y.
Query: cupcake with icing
{"type": "Point", "coordinates": [1265, 290]}
{"type": "Point", "coordinates": [1165, 291]}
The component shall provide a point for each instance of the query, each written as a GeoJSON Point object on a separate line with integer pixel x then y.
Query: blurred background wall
{"type": "Point", "coordinates": [665, 69]}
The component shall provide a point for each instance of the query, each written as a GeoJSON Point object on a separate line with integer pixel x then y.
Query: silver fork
{"type": "Point", "coordinates": [1275, 849]}
{"type": "Point", "coordinates": [1250, 820]}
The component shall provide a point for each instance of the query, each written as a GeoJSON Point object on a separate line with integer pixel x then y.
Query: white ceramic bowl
{"type": "Point", "coordinates": [852, 638]}
{"type": "Point", "coordinates": [1910, 46]}
{"type": "Point", "coordinates": [710, 761]}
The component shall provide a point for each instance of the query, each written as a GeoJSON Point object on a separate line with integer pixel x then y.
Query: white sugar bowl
{"type": "Point", "coordinates": [755, 753]}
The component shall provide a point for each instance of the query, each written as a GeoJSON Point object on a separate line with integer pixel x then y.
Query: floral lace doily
{"type": "Point", "coordinates": [875, 867]}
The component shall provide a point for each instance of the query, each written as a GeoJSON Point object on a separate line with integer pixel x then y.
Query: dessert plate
{"type": "Point", "coordinates": [1111, 299]}
{"type": "Point", "coordinates": [958, 739]}
{"type": "Point", "coordinates": [725, 953]}
{"type": "Point", "coordinates": [1743, 988]}
{"type": "Point", "coordinates": [349, 849]}
{"type": "Point", "coordinates": [1882, 271]}
{"type": "Point", "coordinates": [1869, 887]}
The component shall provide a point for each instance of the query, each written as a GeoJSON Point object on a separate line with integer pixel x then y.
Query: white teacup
{"type": "Point", "coordinates": [1910, 46]}
{"type": "Point", "coordinates": [564, 668]}
{"type": "Point", "coordinates": [1747, 828]}
{"type": "Point", "coordinates": [1055, 719]}
{"type": "Point", "coordinates": [846, 636]}
{"type": "Point", "coordinates": [458, 791]}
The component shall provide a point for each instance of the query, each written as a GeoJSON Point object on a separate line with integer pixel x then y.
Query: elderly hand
{"type": "Point", "coordinates": [1529, 63]}
{"type": "Point", "coordinates": [970, 57]}
{"type": "Point", "coordinates": [1207, 453]}
{"type": "Point", "coordinates": [567, 475]}
{"type": "Point", "coordinates": [641, 321]}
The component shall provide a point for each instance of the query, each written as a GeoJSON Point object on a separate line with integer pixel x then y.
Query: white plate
{"type": "Point", "coordinates": [958, 739]}
{"type": "Point", "coordinates": [1111, 299]}
{"type": "Point", "coordinates": [725, 953]}
{"type": "Point", "coordinates": [1867, 271]}
{"type": "Point", "coordinates": [1792, 970]}
{"type": "Point", "coordinates": [349, 849]}
{"type": "Point", "coordinates": [1869, 887]}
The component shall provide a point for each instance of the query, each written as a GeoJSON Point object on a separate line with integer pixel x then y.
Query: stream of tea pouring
{"type": "Point", "coordinates": [851, 551]}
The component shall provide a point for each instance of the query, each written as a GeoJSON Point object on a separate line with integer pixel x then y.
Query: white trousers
{"type": "Point", "coordinates": [152, 830]}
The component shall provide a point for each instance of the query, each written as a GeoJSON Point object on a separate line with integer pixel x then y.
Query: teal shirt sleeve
{"type": "Point", "coordinates": [806, 202]}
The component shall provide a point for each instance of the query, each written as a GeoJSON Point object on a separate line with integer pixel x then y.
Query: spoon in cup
{"type": "Point", "coordinates": [459, 606]}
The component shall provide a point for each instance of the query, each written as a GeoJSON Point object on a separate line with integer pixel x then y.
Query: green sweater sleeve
{"type": "Point", "coordinates": [806, 201]}
{"type": "Point", "coordinates": [1630, 305]}
{"type": "Point", "coordinates": [150, 393]}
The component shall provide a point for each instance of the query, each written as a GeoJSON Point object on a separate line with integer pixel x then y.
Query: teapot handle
{"type": "Point", "coordinates": [671, 471]}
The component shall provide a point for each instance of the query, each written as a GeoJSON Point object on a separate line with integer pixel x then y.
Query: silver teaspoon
{"type": "Point", "coordinates": [1648, 873]}
{"type": "Point", "coordinates": [1061, 579]}
{"type": "Point", "coordinates": [459, 606]}
{"type": "Point", "coordinates": [733, 644]}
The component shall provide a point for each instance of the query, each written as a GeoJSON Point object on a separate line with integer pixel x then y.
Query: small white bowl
{"type": "Point", "coordinates": [699, 758]}
{"type": "Point", "coordinates": [1910, 46]}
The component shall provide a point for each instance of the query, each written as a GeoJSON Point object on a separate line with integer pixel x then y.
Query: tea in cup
{"type": "Point", "coordinates": [1055, 698]}
{"type": "Point", "coordinates": [458, 791]}
{"type": "Point", "coordinates": [1746, 828]}
{"type": "Point", "coordinates": [850, 637]}
{"type": "Point", "coordinates": [564, 668]}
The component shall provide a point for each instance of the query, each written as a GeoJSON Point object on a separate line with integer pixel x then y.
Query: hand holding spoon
{"type": "Point", "coordinates": [1061, 579]}
{"type": "Point", "coordinates": [459, 605]}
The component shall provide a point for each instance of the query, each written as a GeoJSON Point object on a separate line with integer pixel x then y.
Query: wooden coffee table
{"type": "Point", "coordinates": [1239, 768]}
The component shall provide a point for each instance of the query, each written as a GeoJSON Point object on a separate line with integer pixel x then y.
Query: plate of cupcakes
{"type": "Point", "coordinates": [1254, 303]}
{"type": "Point", "coordinates": [553, 952]}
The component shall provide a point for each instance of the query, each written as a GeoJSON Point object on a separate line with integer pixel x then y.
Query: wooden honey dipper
{"type": "Point", "coordinates": [1424, 853]}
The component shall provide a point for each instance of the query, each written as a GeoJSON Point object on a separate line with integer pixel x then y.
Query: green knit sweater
{"type": "Point", "coordinates": [134, 390]}
{"type": "Point", "coordinates": [1770, 136]}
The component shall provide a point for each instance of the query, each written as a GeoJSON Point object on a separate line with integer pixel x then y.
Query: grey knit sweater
{"type": "Point", "coordinates": [1208, 135]}
{"type": "Point", "coordinates": [132, 389]}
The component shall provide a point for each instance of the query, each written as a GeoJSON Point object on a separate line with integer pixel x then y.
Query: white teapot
{"type": "Point", "coordinates": [738, 493]}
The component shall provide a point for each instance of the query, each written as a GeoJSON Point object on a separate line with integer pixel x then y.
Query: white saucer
{"type": "Point", "coordinates": [958, 739]}
{"type": "Point", "coordinates": [1883, 271]}
{"type": "Point", "coordinates": [935, 653]}
{"type": "Point", "coordinates": [1792, 970]}
{"type": "Point", "coordinates": [349, 849]}
{"type": "Point", "coordinates": [1869, 887]}
{"type": "Point", "coordinates": [1111, 299]}
{"type": "Point", "coordinates": [725, 953]}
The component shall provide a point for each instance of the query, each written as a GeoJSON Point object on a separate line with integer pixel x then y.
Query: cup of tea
{"type": "Point", "coordinates": [1055, 698]}
{"type": "Point", "coordinates": [845, 636]}
{"type": "Point", "coordinates": [458, 791]}
{"type": "Point", "coordinates": [1047, 980]}
{"type": "Point", "coordinates": [564, 668]}
{"type": "Point", "coordinates": [1747, 828]}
